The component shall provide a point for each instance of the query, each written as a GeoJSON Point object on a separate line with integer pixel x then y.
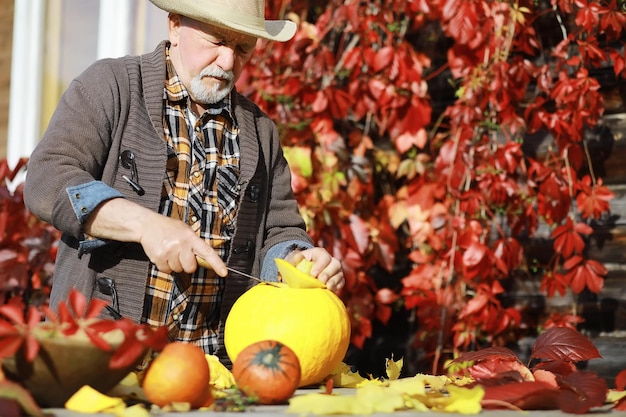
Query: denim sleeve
{"type": "Point", "coordinates": [269, 272]}
{"type": "Point", "coordinates": [85, 198]}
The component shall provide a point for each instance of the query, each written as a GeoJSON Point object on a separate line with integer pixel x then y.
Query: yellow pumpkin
{"type": "Point", "coordinates": [308, 318]}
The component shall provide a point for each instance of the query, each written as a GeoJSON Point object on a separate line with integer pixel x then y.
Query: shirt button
{"type": "Point", "coordinates": [196, 174]}
{"type": "Point", "coordinates": [194, 219]}
{"type": "Point", "coordinates": [77, 196]}
{"type": "Point", "coordinates": [83, 210]}
{"type": "Point", "coordinates": [175, 317]}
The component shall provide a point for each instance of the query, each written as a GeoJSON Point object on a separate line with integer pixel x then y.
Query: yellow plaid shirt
{"type": "Point", "coordinates": [200, 187]}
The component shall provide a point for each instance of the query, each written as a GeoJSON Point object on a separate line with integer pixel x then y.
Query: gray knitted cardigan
{"type": "Point", "coordinates": [115, 105]}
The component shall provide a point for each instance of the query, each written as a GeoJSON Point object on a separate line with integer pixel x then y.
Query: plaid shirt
{"type": "Point", "coordinates": [200, 188]}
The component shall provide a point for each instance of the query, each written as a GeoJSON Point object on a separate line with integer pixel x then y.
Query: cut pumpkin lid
{"type": "Point", "coordinates": [294, 277]}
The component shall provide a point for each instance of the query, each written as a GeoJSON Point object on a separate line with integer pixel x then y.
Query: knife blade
{"type": "Point", "coordinates": [203, 263]}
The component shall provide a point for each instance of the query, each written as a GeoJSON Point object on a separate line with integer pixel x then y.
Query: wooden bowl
{"type": "Point", "coordinates": [62, 367]}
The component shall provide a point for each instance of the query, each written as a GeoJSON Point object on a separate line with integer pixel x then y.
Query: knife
{"type": "Point", "coordinates": [203, 263]}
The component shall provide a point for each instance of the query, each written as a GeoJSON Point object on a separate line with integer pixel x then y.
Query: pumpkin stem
{"type": "Point", "coordinates": [269, 357]}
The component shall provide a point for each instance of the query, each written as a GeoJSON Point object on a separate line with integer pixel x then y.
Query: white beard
{"type": "Point", "coordinates": [201, 94]}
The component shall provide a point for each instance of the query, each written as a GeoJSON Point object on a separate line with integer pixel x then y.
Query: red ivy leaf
{"type": "Point", "coordinates": [562, 343]}
{"type": "Point", "coordinates": [383, 58]}
{"type": "Point", "coordinates": [593, 200]}
{"type": "Point", "coordinates": [527, 395]}
{"type": "Point", "coordinates": [584, 273]}
{"type": "Point", "coordinates": [620, 380]}
{"type": "Point", "coordinates": [621, 405]}
{"type": "Point", "coordinates": [581, 391]}
{"type": "Point", "coordinates": [494, 363]}
{"type": "Point", "coordinates": [567, 239]}
{"type": "Point", "coordinates": [488, 354]}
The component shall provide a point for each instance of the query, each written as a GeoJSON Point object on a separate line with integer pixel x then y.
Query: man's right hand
{"type": "Point", "coordinates": [169, 243]}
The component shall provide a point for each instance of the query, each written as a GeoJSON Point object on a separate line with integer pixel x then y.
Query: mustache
{"type": "Point", "coordinates": [215, 71]}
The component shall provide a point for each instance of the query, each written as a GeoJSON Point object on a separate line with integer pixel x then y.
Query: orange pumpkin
{"type": "Point", "coordinates": [268, 371]}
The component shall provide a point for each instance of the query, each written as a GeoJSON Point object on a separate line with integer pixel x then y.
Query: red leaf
{"type": "Point", "coordinates": [10, 345]}
{"type": "Point", "coordinates": [621, 405]}
{"type": "Point", "coordinates": [488, 354]}
{"type": "Point", "coordinates": [31, 346]}
{"type": "Point", "coordinates": [77, 302]}
{"type": "Point", "coordinates": [593, 199]}
{"type": "Point", "coordinates": [620, 380]}
{"type": "Point", "coordinates": [95, 307]}
{"type": "Point", "coordinates": [383, 58]}
{"type": "Point", "coordinates": [13, 313]}
{"type": "Point", "coordinates": [494, 363]}
{"type": "Point", "coordinates": [155, 339]}
{"type": "Point", "coordinates": [98, 341]}
{"type": "Point", "coordinates": [584, 273]}
{"type": "Point", "coordinates": [582, 391]}
{"type": "Point", "coordinates": [562, 343]}
{"type": "Point", "coordinates": [527, 395]}
{"type": "Point", "coordinates": [567, 239]}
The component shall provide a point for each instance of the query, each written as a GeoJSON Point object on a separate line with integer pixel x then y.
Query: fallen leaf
{"type": "Point", "coordinates": [137, 410]}
{"type": "Point", "coordinates": [380, 399]}
{"type": "Point", "coordinates": [457, 400]}
{"type": "Point", "coordinates": [465, 400]}
{"type": "Point", "coordinates": [321, 404]}
{"type": "Point", "coordinates": [128, 388]}
{"type": "Point", "coordinates": [221, 377]}
{"type": "Point", "coordinates": [343, 377]}
{"type": "Point", "coordinates": [89, 400]}
{"type": "Point", "coordinates": [409, 386]}
{"type": "Point", "coordinates": [394, 368]}
{"type": "Point", "coordinates": [614, 396]}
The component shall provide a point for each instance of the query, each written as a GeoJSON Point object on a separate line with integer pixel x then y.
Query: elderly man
{"type": "Point", "coordinates": [151, 162]}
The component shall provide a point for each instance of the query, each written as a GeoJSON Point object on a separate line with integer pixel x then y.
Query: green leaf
{"type": "Point", "coordinates": [299, 159]}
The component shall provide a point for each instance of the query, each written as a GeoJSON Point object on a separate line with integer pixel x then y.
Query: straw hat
{"type": "Point", "coordinates": [244, 16]}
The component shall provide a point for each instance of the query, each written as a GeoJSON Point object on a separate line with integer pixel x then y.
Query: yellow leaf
{"type": "Point", "coordinates": [88, 400]}
{"type": "Point", "coordinates": [366, 382]}
{"type": "Point", "coordinates": [343, 377]}
{"type": "Point", "coordinates": [295, 278]}
{"type": "Point", "coordinates": [433, 382]}
{"type": "Point", "coordinates": [128, 388]}
{"type": "Point", "coordinates": [221, 377]}
{"type": "Point", "coordinates": [394, 368]}
{"type": "Point", "coordinates": [380, 399]}
{"type": "Point", "coordinates": [460, 400]}
{"type": "Point", "coordinates": [137, 410]}
{"type": "Point", "coordinates": [322, 404]}
{"type": "Point", "coordinates": [409, 386]}
{"type": "Point", "coordinates": [614, 396]}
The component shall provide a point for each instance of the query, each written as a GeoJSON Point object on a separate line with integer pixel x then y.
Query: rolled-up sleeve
{"type": "Point", "coordinates": [84, 199]}
{"type": "Point", "coordinates": [269, 272]}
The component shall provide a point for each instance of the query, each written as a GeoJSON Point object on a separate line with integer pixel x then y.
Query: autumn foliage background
{"type": "Point", "coordinates": [431, 200]}
{"type": "Point", "coordinates": [411, 127]}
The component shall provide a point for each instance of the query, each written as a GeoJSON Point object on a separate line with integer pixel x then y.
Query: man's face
{"type": "Point", "coordinates": [208, 59]}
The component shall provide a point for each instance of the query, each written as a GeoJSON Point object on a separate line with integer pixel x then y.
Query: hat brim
{"type": "Point", "coordinates": [275, 30]}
